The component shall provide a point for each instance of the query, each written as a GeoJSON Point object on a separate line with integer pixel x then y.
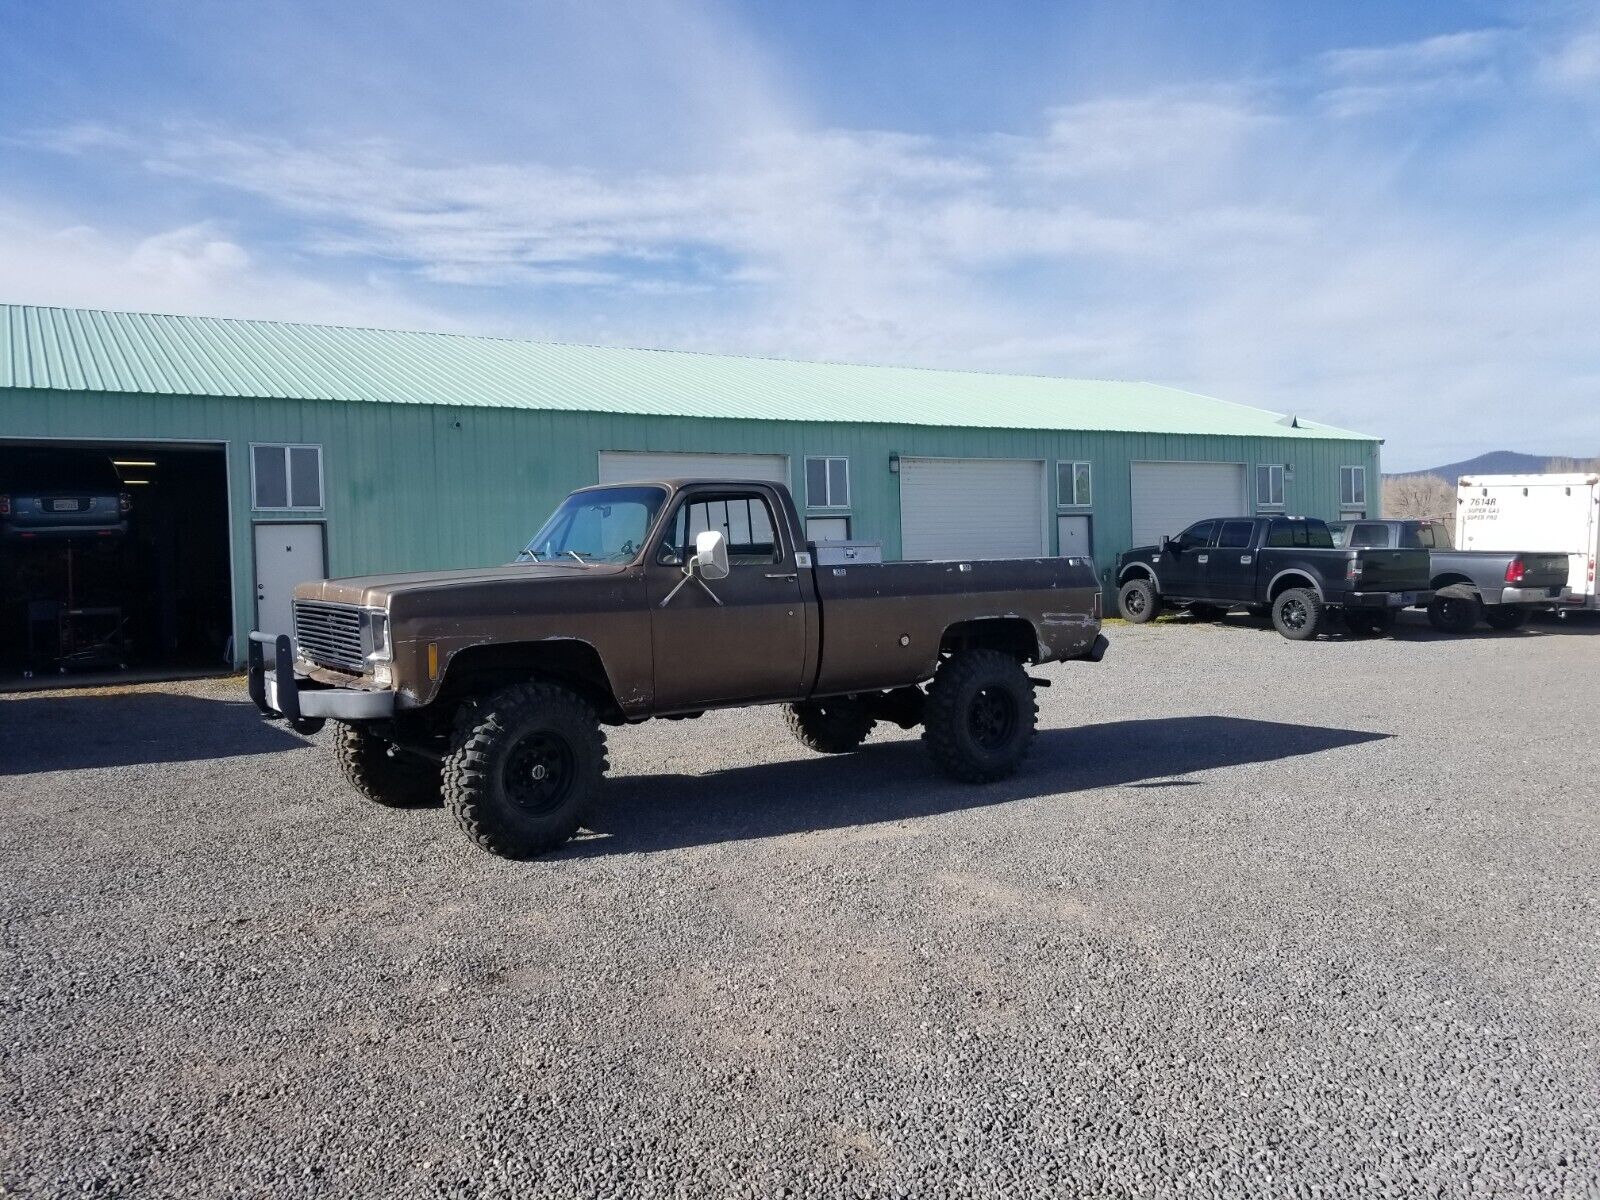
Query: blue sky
{"type": "Point", "coordinates": [1385, 216]}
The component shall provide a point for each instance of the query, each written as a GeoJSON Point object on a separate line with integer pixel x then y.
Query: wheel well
{"type": "Point", "coordinates": [1454, 581]}
{"type": "Point", "coordinates": [1295, 580]}
{"type": "Point", "coordinates": [1009, 635]}
{"type": "Point", "coordinates": [1136, 571]}
{"type": "Point", "coordinates": [575, 664]}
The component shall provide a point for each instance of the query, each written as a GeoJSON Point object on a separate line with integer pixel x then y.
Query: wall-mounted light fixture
{"type": "Point", "coordinates": [1288, 472]}
{"type": "Point", "coordinates": [894, 462]}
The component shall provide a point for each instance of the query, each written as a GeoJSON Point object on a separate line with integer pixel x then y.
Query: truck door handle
{"type": "Point", "coordinates": [1245, 558]}
{"type": "Point", "coordinates": [1202, 558]}
{"type": "Point", "coordinates": [781, 575]}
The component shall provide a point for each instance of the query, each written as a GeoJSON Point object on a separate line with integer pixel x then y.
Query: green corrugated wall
{"type": "Point", "coordinates": [414, 486]}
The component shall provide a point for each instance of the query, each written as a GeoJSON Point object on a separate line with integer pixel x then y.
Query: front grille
{"type": "Point", "coordinates": [330, 634]}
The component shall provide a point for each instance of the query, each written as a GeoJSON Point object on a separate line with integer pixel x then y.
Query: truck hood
{"type": "Point", "coordinates": [378, 590]}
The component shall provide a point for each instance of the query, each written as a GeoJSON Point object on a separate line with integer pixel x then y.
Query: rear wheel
{"type": "Point", "coordinates": [980, 716]}
{"type": "Point", "coordinates": [835, 726]}
{"type": "Point", "coordinates": [1298, 614]}
{"type": "Point", "coordinates": [1453, 614]}
{"type": "Point", "coordinates": [1369, 622]}
{"type": "Point", "coordinates": [1138, 601]}
{"type": "Point", "coordinates": [382, 774]}
{"type": "Point", "coordinates": [526, 765]}
{"type": "Point", "coordinates": [1505, 616]}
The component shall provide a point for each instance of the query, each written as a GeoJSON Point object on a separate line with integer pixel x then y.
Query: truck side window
{"type": "Point", "coordinates": [744, 518]}
{"type": "Point", "coordinates": [1197, 537]}
{"type": "Point", "coordinates": [1235, 535]}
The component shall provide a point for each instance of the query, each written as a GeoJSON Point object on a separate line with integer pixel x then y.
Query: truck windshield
{"type": "Point", "coordinates": [605, 525]}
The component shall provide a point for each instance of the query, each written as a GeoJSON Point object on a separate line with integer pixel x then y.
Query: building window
{"type": "Point", "coordinates": [827, 529]}
{"type": "Point", "coordinates": [286, 477]}
{"type": "Point", "coordinates": [1353, 487]}
{"type": "Point", "coordinates": [827, 483]}
{"type": "Point", "coordinates": [1269, 486]}
{"type": "Point", "coordinates": [1074, 485]}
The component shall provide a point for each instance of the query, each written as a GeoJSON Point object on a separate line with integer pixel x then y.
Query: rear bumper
{"type": "Point", "coordinates": [1386, 599]}
{"type": "Point", "coordinates": [1097, 651]}
{"type": "Point", "coordinates": [279, 693]}
{"type": "Point", "coordinates": [1516, 595]}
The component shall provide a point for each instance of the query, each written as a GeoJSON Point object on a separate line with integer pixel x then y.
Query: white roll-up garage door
{"type": "Point", "coordinates": [971, 508]}
{"type": "Point", "coordinates": [1168, 497]}
{"type": "Point", "coordinates": [623, 466]}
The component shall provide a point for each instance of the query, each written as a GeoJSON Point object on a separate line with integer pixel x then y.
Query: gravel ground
{"type": "Point", "coordinates": [1258, 918]}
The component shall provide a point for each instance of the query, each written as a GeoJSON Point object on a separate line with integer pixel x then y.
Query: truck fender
{"type": "Point", "coordinates": [1134, 570]}
{"type": "Point", "coordinates": [1295, 573]}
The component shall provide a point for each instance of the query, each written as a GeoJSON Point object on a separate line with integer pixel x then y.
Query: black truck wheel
{"type": "Point", "coordinates": [526, 764]}
{"type": "Point", "coordinates": [1298, 614]}
{"type": "Point", "coordinates": [980, 716]}
{"type": "Point", "coordinates": [1453, 614]}
{"type": "Point", "coordinates": [835, 726]}
{"type": "Point", "coordinates": [1504, 617]}
{"type": "Point", "coordinates": [392, 780]}
{"type": "Point", "coordinates": [1369, 622]}
{"type": "Point", "coordinates": [1138, 601]}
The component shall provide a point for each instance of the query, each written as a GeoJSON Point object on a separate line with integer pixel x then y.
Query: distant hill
{"type": "Point", "coordinates": [1496, 462]}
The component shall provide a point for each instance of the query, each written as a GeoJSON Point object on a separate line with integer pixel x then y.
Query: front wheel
{"type": "Point", "coordinates": [980, 716]}
{"type": "Point", "coordinates": [1369, 622]}
{"type": "Point", "coordinates": [1138, 601]}
{"type": "Point", "coordinates": [1298, 614]}
{"type": "Point", "coordinates": [835, 726]}
{"type": "Point", "coordinates": [1453, 614]}
{"type": "Point", "coordinates": [378, 772]}
{"type": "Point", "coordinates": [1505, 617]}
{"type": "Point", "coordinates": [526, 765]}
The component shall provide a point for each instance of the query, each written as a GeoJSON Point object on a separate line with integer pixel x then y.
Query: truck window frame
{"type": "Point", "coordinates": [669, 553]}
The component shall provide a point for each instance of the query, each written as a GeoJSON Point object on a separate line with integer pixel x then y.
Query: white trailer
{"type": "Point", "coordinates": [1545, 513]}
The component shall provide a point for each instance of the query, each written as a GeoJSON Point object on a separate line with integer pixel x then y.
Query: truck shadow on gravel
{"type": "Point", "coordinates": [75, 733]}
{"type": "Point", "coordinates": [894, 781]}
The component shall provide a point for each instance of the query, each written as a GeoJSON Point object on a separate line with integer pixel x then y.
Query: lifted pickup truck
{"type": "Point", "coordinates": [1501, 586]}
{"type": "Point", "coordinates": [660, 599]}
{"type": "Point", "coordinates": [1287, 566]}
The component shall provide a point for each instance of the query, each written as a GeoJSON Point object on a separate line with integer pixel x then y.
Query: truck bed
{"type": "Point", "coordinates": [882, 622]}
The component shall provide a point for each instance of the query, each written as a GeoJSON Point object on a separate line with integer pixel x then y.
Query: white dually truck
{"type": "Point", "coordinates": [1547, 513]}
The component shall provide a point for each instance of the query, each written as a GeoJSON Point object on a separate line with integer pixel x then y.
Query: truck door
{"type": "Point", "coordinates": [751, 645]}
{"type": "Point", "coordinates": [1230, 571]}
{"type": "Point", "coordinates": [1184, 563]}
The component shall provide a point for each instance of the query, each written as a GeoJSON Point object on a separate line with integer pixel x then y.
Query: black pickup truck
{"type": "Point", "coordinates": [1288, 566]}
{"type": "Point", "coordinates": [1501, 586]}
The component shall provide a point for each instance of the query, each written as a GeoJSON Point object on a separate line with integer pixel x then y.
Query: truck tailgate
{"type": "Point", "coordinates": [1394, 570]}
{"type": "Point", "coordinates": [1543, 570]}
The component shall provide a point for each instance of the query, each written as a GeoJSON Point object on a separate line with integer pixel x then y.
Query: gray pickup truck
{"type": "Point", "coordinates": [661, 599]}
{"type": "Point", "coordinates": [1501, 586]}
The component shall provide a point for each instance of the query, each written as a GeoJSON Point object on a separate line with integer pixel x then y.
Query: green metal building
{"type": "Point", "coordinates": [310, 449]}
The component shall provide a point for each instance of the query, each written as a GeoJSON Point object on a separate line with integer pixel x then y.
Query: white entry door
{"type": "Point", "coordinates": [1072, 530]}
{"type": "Point", "coordinates": [286, 554]}
{"type": "Point", "coordinates": [971, 508]}
{"type": "Point", "coordinates": [1168, 497]}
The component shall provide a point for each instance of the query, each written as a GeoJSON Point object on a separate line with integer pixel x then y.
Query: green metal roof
{"type": "Point", "coordinates": [74, 349]}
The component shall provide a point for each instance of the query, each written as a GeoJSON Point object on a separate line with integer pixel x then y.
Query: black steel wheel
{"type": "Point", "coordinates": [1453, 614]}
{"type": "Point", "coordinates": [525, 766]}
{"type": "Point", "coordinates": [1298, 614]}
{"type": "Point", "coordinates": [980, 716]}
{"type": "Point", "coordinates": [1138, 601]}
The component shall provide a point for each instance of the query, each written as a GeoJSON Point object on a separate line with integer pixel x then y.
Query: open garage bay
{"type": "Point", "coordinates": [1258, 918]}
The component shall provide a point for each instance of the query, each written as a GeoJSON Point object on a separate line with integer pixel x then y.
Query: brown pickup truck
{"type": "Point", "coordinates": [660, 599]}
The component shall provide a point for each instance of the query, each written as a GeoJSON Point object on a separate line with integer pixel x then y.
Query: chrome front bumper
{"type": "Point", "coordinates": [280, 694]}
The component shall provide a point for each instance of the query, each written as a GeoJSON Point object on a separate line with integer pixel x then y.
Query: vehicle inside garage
{"type": "Point", "coordinates": [113, 558]}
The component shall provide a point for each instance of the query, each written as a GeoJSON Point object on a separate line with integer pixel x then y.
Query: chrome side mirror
{"type": "Point", "coordinates": [711, 554]}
